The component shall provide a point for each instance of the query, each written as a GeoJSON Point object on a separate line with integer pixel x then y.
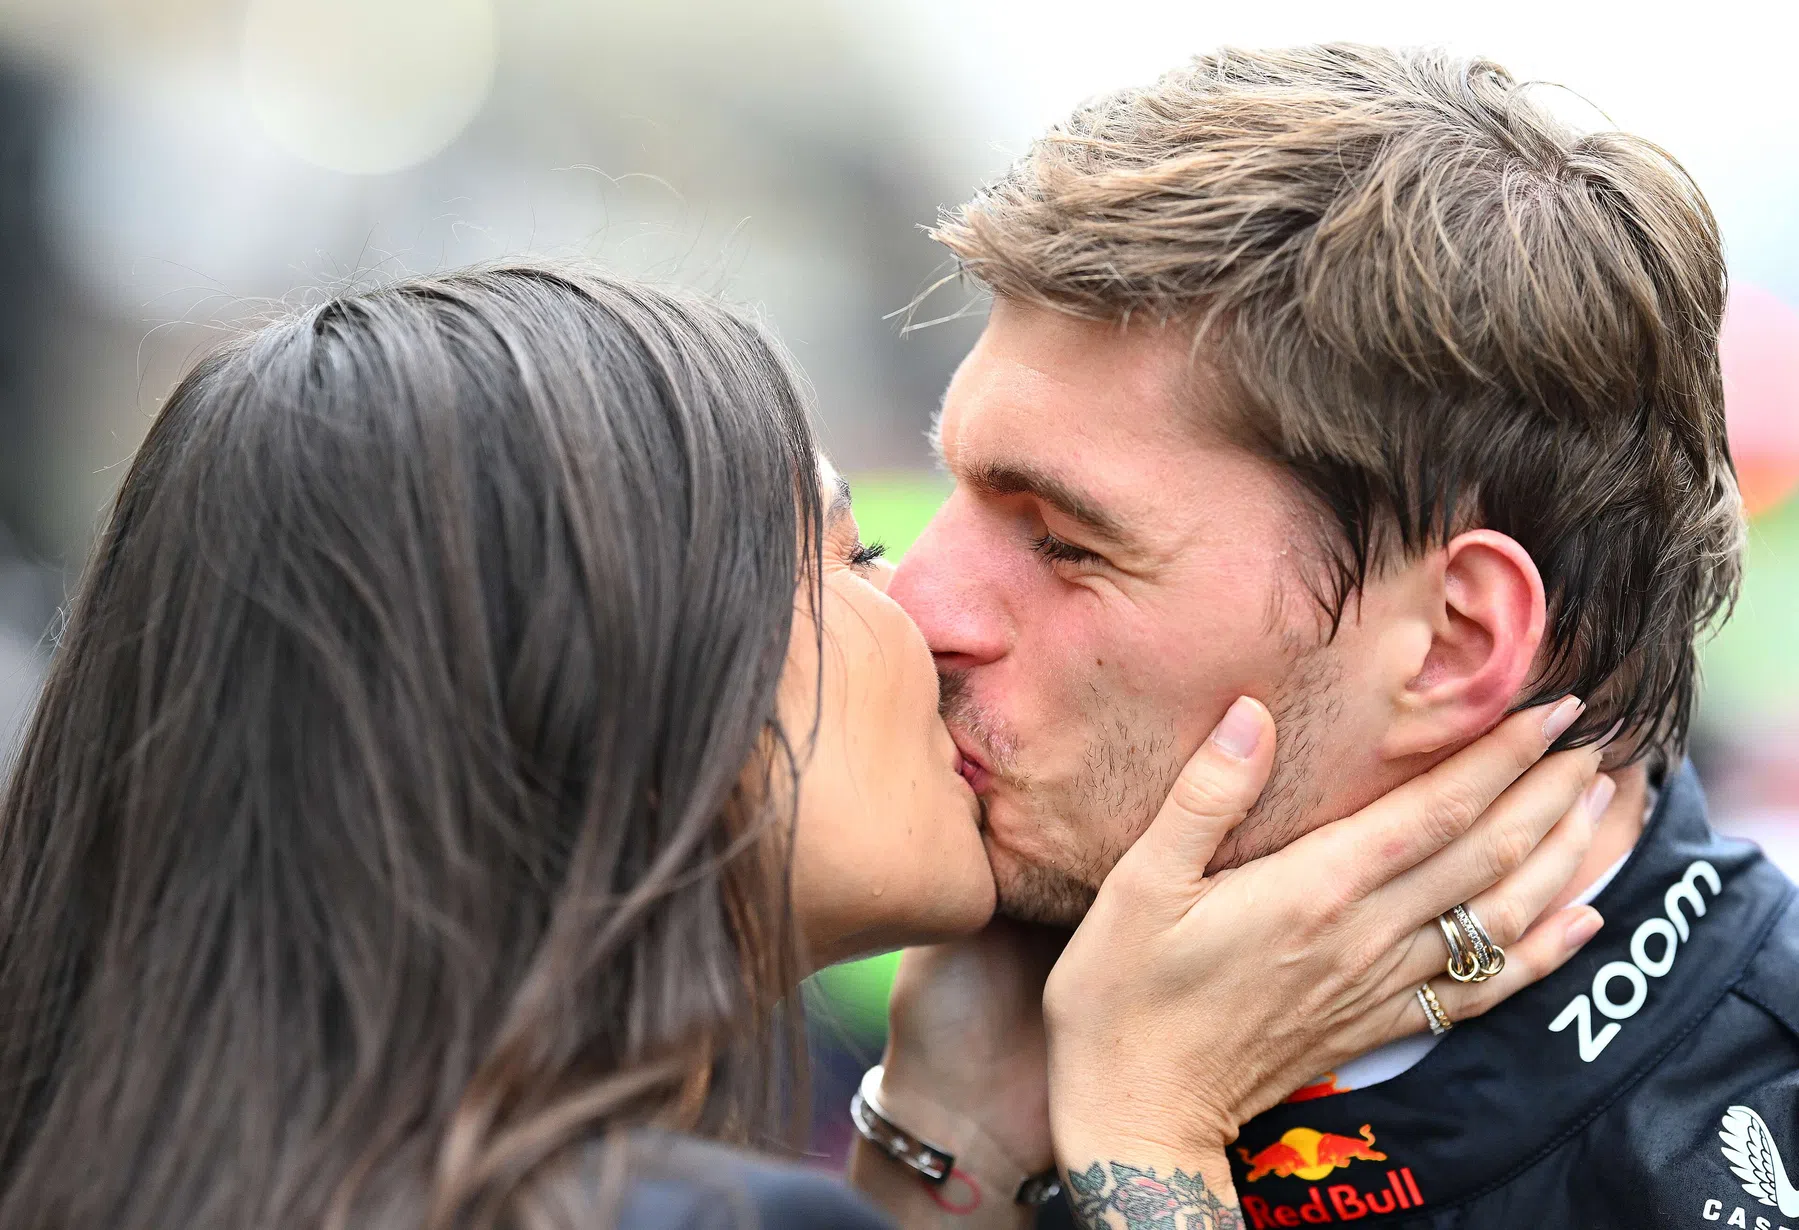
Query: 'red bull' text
{"type": "Point", "coordinates": [1337, 1202]}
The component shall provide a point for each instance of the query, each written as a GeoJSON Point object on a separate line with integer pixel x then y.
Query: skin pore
{"type": "Point", "coordinates": [1111, 571]}
{"type": "Point", "coordinates": [888, 849]}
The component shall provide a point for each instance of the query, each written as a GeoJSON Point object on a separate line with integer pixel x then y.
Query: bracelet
{"type": "Point", "coordinates": [934, 1162]}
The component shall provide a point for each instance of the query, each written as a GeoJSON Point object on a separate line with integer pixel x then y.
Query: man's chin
{"type": "Point", "coordinates": [1033, 893]}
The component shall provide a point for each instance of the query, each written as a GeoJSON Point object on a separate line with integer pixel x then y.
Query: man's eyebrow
{"type": "Point", "coordinates": [1020, 478]}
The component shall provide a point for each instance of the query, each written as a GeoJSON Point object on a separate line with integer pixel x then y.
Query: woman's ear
{"type": "Point", "coordinates": [1486, 628]}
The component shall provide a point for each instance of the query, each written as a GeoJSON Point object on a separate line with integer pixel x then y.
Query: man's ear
{"type": "Point", "coordinates": [1486, 623]}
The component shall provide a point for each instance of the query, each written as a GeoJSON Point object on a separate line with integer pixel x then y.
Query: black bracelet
{"type": "Point", "coordinates": [931, 1161]}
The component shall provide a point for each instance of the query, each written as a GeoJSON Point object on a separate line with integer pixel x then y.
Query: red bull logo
{"type": "Point", "coordinates": [1306, 1154]}
{"type": "Point", "coordinates": [1310, 1155]}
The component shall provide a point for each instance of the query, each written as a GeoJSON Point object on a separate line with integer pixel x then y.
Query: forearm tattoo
{"type": "Point", "coordinates": [1129, 1198]}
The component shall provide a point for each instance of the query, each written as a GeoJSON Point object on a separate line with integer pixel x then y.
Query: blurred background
{"type": "Point", "coordinates": [170, 169]}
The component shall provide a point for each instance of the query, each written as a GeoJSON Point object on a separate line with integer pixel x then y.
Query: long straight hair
{"type": "Point", "coordinates": [406, 805]}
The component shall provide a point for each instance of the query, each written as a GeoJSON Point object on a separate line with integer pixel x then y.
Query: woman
{"type": "Point", "coordinates": [477, 716]}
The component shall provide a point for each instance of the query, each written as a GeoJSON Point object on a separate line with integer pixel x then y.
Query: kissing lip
{"type": "Point", "coordinates": [973, 769]}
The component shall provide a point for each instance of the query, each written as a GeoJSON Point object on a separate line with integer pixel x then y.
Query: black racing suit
{"type": "Point", "coordinates": [1652, 1081]}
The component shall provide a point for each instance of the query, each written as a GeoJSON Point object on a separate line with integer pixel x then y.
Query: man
{"type": "Point", "coordinates": [1353, 380]}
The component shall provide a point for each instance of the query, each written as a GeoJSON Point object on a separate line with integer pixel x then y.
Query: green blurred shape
{"type": "Point", "coordinates": [1752, 666]}
{"type": "Point", "coordinates": [892, 508]}
{"type": "Point", "coordinates": [854, 995]}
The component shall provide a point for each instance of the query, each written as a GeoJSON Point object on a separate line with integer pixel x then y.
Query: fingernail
{"type": "Point", "coordinates": [1240, 731]}
{"type": "Point", "coordinates": [1583, 928]}
{"type": "Point", "coordinates": [1598, 796]}
{"type": "Point", "coordinates": [1561, 717]}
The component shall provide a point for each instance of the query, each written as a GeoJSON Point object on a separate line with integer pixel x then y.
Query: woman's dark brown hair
{"type": "Point", "coordinates": [400, 813]}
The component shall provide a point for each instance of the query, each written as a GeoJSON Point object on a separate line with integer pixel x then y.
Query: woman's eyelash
{"type": "Point", "coordinates": [1055, 550]}
{"type": "Point", "coordinates": [866, 553]}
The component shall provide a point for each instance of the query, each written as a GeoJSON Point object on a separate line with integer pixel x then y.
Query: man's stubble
{"type": "Point", "coordinates": [1127, 769]}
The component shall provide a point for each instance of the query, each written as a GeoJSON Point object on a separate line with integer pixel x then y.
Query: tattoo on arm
{"type": "Point", "coordinates": [1113, 1196]}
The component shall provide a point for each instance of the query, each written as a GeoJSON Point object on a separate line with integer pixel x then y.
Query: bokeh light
{"type": "Point", "coordinates": [367, 86]}
{"type": "Point", "coordinates": [1760, 353]}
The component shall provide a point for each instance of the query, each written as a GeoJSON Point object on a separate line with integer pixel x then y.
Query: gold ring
{"type": "Point", "coordinates": [1489, 955]}
{"type": "Point", "coordinates": [1440, 1023]}
{"type": "Point", "coordinates": [1463, 965]}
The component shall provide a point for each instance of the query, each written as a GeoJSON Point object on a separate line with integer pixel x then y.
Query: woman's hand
{"type": "Point", "coordinates": [1186, 1003]}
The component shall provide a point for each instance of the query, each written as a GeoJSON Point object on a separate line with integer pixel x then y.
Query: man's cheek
{"type": "Point", "coordinates": [1089, 632]}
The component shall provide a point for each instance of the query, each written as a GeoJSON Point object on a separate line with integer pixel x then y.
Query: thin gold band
{"type": "Point", "coordinates": [1440, 1023]}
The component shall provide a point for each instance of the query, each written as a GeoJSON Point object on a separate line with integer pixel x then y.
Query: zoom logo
{"type": "Point", "coordinates": [1620, 988]}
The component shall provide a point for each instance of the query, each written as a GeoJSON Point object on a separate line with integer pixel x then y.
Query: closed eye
{"type": "Point", "coordinates": [865, 554]}
{"type": "Point", "coordinates": [1054, 549]}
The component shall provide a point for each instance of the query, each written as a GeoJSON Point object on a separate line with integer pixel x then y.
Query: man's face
{"type": "Point", "coordinates": [1108, 575]}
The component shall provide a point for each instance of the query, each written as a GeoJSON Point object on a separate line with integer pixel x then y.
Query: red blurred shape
{"type": "Point", "coordinates": [1759, 348]}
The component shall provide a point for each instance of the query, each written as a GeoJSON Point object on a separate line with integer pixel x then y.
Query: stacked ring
{"type": "Point", "coordinates": [1462, 965]}
{"type": "Point", "coordinates": [1473, 956]}
{"type": "Point", "coordinates": [1440, 1023]}
{"type": "Point", "coordinates": [1490, 955]}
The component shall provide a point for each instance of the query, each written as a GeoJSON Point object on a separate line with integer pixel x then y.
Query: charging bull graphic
{"type": "Point", "coordinates": [1310, 1155]}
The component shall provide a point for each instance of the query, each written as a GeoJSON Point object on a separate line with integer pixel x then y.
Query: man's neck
{"type": "Point", "coordinates": [1615, 835]}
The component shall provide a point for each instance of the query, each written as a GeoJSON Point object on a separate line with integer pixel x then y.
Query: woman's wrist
{"type": "Point", "coordinates": [980, 1181]}
{"type": "Point", "coordinates": [1129, 1162]}
{"type": "Point", "coordinates": [915, 1203]}
{"type": "Point", "coordinates": [988, 1164]}
{"type": "Point", "coordinates": [1133, 1184]}
{"type": "Point", "coordinates": [987, 1110]}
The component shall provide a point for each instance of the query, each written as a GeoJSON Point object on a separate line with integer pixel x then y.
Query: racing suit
{"type": "Point", "coordinates": [1652, 1081]}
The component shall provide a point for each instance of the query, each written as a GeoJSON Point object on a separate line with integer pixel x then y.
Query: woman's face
{"type": "Point", "coordinates": [888, 848]}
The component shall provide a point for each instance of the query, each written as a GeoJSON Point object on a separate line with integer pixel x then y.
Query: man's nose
{"type": "Point", "coordinates": [942, 584]}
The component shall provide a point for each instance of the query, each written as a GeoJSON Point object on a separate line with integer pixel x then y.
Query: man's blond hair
{"type": "Point", "coordinates": [1435, 305]}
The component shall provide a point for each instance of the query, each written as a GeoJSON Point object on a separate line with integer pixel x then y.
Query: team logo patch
{"type": "Point", "coordinates": [1755, 1159]}
{"type": "Point", "coordinates": [1309, 1155]}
